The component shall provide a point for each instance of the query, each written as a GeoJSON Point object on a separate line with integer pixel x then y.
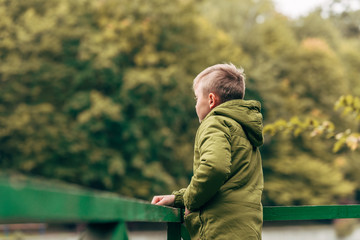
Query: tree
{"type": "Point", "coordinates": [99, 92]}
{"type": "Point", "coordinates": [345, 162]}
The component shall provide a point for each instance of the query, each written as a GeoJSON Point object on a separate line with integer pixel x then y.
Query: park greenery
{"type": "Point", "coordinates": [98, 92]}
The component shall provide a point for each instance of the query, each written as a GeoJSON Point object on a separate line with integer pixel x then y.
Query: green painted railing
{"type": "Point", "coordinates": [24, 201]}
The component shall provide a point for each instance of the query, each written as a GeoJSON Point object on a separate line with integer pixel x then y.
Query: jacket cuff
{"type": "Point", "coordinates": [179, 198]}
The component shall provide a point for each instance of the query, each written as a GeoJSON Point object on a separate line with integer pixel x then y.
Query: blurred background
{"type": "Point", "coordinates": [98, 92]}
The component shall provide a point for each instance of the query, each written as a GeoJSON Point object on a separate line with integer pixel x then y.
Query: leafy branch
{"type": "Point", "coordinates": [349, 105]}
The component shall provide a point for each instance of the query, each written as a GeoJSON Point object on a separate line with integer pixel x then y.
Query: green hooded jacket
{"type": "Point", "coordinates": [224, 195]}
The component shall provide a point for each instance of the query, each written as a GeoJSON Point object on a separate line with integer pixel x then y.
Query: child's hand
{"type": "Point", "coordinates": [187, 212]}
{"type": "Point", "coordinates": [164, 200]}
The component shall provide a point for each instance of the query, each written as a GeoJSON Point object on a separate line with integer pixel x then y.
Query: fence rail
{"type": "Point", "coordinates": [28, 201]}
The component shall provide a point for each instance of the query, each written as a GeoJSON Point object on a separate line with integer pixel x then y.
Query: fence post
{"type": "Point", "coordinates": [185, 233]}
{"type": "Point", "coordinates": [174, 231]}
{"type": "Point", "coordinates": [105, 231]}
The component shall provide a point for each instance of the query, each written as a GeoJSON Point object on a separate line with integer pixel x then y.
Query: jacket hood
{"type": "Point", "coordinates": [247, 114]}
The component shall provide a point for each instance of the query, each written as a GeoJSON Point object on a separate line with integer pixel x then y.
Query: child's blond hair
{"type": "Point", "coordinates": [225, 80]}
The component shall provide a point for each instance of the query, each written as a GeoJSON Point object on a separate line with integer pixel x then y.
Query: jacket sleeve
{"type": "Point", "coordinates": [179, 198]}
{"type": "Point", "coordinates": [214, 168]}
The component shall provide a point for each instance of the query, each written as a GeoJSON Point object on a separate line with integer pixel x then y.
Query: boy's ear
{"type": "Point", "coordinates": [213, 100]}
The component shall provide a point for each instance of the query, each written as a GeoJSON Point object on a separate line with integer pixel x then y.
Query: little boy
{"type": "Point", "coordinates": [223, 199]}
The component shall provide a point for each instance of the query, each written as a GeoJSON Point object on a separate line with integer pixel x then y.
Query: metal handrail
{"type": "Point", "coordinates": [29, 201]}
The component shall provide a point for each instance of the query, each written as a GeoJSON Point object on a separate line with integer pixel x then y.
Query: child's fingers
{"type": "Point", "coordinates": [164, 202]}
{"type": "Point", "coordinates": [157, 199]}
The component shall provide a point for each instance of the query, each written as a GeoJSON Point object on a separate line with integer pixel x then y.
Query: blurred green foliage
{"type": "Point", "coordinates": [98, 92]}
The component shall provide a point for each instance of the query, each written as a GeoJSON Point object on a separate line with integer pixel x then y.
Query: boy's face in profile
{"type": "Point", "coordinates": [202, 103]}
